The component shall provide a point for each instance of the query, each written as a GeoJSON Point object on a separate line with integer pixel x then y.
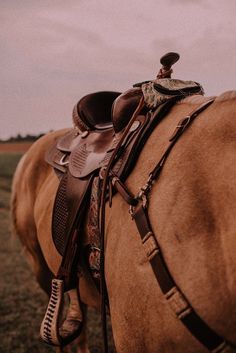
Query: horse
{"type": "Point", "coordinates": [191, 210]}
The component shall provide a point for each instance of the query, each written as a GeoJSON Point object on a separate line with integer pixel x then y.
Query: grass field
{"type": "Point", "coordinates": [22, 302]}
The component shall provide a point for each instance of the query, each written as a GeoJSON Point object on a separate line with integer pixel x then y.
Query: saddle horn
{"type": "Point", "coordinates": [167, 61]}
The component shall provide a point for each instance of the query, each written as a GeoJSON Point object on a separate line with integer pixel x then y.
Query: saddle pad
{"type": "Point", "coordinates": [160, 90]}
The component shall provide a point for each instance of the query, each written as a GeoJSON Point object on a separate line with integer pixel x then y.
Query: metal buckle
{"type": "Point", "coordinates": [144, 190]}
{"type": "Point", "coordinates": [182, 124]}
{"type": "Point", "coordinates": [62, 160]}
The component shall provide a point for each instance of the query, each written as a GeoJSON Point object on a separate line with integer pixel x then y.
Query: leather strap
{"type": "Point", "coordinates": [181, 127]}
{"type": "Point", "coordinates": [123, 191]}
{"type": "Point", "coordinates": [178, 302]}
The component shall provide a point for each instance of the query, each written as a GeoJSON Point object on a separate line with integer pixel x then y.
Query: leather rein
{"type": "Point", "coordinates": [139, 212]}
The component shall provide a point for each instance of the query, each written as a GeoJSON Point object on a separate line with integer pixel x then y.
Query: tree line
{"type": "Point", "coordinates": [22, 138]}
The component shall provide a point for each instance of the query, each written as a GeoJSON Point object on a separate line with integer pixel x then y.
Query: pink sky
{"type": "Point", "coordinates": [54, 52]}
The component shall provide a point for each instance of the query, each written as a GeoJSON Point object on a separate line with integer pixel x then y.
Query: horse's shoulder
{"type": "Point", "coordinates": [219, 118]}
{"type": "Point", "coordinates": [227, 97]}
{"type": "Point", "coordinates": [212, 130]}
{"type": "Point", "coordinates": [194, 100]}
{"type": "Point", "coordinates": [223, 120]}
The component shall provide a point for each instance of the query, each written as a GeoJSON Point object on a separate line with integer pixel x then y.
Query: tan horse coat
{"type": "Point", "coordinates": [192, 209]}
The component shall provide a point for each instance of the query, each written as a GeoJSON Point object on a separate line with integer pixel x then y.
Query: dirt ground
{"type": "Point", "coordinates": [22, 302]}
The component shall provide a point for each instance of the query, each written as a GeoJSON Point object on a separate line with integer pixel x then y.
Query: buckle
{"type": "Point", "coordinates": [63, 160]}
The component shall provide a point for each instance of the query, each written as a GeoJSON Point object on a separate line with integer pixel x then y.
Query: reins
{"type": "Point", "coordinates": [139, 212]}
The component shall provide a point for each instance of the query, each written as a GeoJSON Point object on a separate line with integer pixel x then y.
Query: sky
{"type": "Point", "coordinates": [55, 52]}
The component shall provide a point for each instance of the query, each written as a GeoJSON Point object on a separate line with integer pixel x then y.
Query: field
{"type": "Point", "coordinates": [19, 147]}
{"type": "Point", "coordinates": [22, 302]}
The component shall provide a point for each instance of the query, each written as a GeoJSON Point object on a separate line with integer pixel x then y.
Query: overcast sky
{"type": "Point", "coordinates": [54, 52]}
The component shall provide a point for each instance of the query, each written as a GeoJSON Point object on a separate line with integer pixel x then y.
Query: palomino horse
{"type": "Point", "coordinates": [192, 213]}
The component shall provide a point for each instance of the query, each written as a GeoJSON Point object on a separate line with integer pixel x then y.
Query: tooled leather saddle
{"type": "Point", "coordinates": [82, 154]}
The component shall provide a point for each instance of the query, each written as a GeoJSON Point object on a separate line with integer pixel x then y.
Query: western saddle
{"type": "Point", "coordinates": [92, 162]}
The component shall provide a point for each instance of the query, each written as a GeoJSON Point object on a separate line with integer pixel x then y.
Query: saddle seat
{"type": "Point", "coordinates": [94, 111]}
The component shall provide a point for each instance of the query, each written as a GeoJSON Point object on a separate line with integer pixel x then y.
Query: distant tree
{"type": "Point", "coordinates": [20, 138]}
